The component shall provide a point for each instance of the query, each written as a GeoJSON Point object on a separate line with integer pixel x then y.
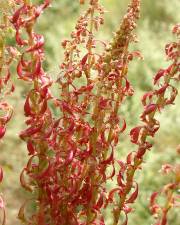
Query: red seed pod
{"type": "Point", "coordinates": [133, 196]}
{"type": "Point", "coordinates": [169, 48]}
{"type": "Point", "coordinates": [146, 96]}
{"type": "Point", "coordinates": [27, 107]}
{"type": "Point", "coordinates": [127, 85]}
{"type": "Point", "coordinates": [23, 182]}
{"type": "Point", "coordinates": [150, 108]}
{"type": "Point", "coordinates": [173, 95]}
{"type": "Point", "coordinates": [30, 131]}
{"type": "Point", "coordinates": [134, 133]}
{"type": "Point", "coordinates": [162, 89]}
{"type": "Point", "coordinates": [19, 40]}
{"type": "Point", "coordinates": [123, 128]}
{"type": "Point", "coordinates": [122, 165]}
{"type": "Point", "coordinates": [44, 173]}
{"type": "Point", "coordinates": [153, 200]}
{"type": "Point", "coordinates": [16, 15]}
{"type": "Point", "coordinates": [160, 73]}
{"type": "Point", "coordinates": [110, 159]}
{"type": "Point", "coordinates": [99, 203]}
{"type": "Point", "coordinates": [39, 9]}
{"type": "Point", "coordinates": [129, 158]}
{"type": "Point", "coordinates": [120, 180]}
{"type": "Point", "coordinates": [31, 148]}
{"type": "Point", "coordinates": [7, 77]}
{"type": "Point", "coordinates": [84, 59]}
{"type": "Point", "coordinates": [111, 194]}
{"type": "Point", "coordinates": [103, 103]}
{"type": "Point", "coordinates": [39, 42]}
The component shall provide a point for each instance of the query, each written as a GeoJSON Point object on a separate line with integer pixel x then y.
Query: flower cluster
{"type": "Point", "coordinates": [36, 176]}
{"type": "Point", "coordinates": [76, 138]}
{"type": "Point", "coordinates": [153, 101]}
{"type": "Point", "coordinates": [89, 127]}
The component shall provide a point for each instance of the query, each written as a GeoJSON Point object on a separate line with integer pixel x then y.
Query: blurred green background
{"type": "Point", "coordinates": [154, 31]}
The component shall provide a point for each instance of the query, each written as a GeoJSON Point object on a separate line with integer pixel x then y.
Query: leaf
{"type": "Point", "coordinates": [134, 133]}
{"type": "Point", "coordinates": [27, 107]}
{"type": "Point", "coordinates": [149, 109]}
{"type": "Point", "coordinates": [30, 148]}
{"type": "Point", "coordinates": [30, 131]}
{"type": "Point", "coordinates": [16, 16]}
{"type": "Point", "coordinates": [19, 40]}
{"type": "Point", "coordinates": [120, 180]}
{"type": "Point", "coordinates": [7, 77]}
{"type": "Point", "coordinates": [110, 159]}
{"type": "Point", "coordinates": [44, 173]}
{"type": "Point", "coordinates": [123, 126]}
{"type": "Point", "coordinates": [112, 173]}
{"type": "Point", "coordinates": [37, 70]}
{"type": "Point", "coordinates": [129, 158]}
{"type": "Point", "coordinates": [133, 196]}
{"type": "Point", "coordinates": [161, 90]}
{"type": "Point", "coordinates": [23, 182]}
{"type": "Point", "coordinates": [43, 107]}
{"type": "Point", "coordinates": [69, 158]}
{"type": "Point", "coordinates": [122, 165]}
{"type": "Point", "coordinates": [40, 8]}
{"type": "Point", "coordinates": [99, 203]}
{"type": "Point", "coordinates": [173, 95]}
{"type": "Point", "coordinates": [84, 59]}
{"type": "Point", "coordinates": [153, 198]}
{"type": "Point", "coordinates": [39, 39]}
{"type": "Point", "coordinates": [148, 95]}
{"type": "Point", "coordinates": [20, 71]}
{"type": "Point", "coordinates": [112, 192]}
{"type": "Point", "coordinates": [159, 74]}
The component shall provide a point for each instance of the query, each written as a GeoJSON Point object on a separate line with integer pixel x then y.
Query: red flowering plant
{"type": "Point", "coordinates": [72, 157]}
